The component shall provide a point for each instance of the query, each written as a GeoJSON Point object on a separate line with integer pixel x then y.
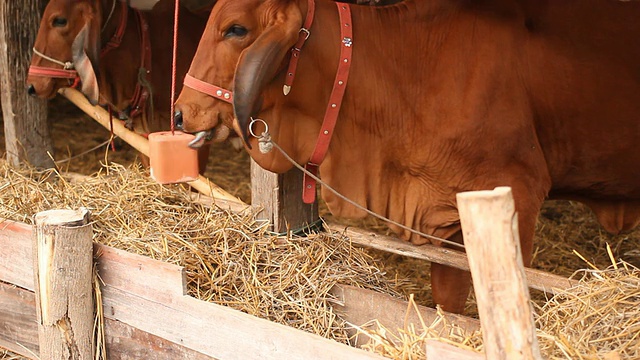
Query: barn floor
{"type": "Point", "coordinates": [562, 226]}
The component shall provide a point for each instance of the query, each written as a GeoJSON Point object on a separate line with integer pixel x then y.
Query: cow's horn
{"type": "Point", "coordinates": [259, 64]}
{"type": "Point", "coordinates": [84, 67]}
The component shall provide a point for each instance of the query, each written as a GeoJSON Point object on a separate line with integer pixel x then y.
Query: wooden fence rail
{"type": "Point", "coordinates": [148, 315]}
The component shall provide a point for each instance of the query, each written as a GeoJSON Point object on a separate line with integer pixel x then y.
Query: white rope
{"type": "Point", "coordinates": [67, 65]}
{"type": "Point", "coordinates": [376, 215]}
{"type": "Point", "coordinates": [113, 7]}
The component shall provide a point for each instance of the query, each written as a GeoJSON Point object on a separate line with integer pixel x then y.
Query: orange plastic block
{"type": "Point", "coordinates": [171, 159]}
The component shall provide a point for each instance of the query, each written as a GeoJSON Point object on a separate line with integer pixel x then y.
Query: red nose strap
{"type": "Point", "coordinates": [53, 73]}
{"type": "Point", "coordinates": [209, 89]}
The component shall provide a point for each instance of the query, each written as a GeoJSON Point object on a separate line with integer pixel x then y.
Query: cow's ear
{"type": "Point", "coordinates": [259, 63]}
{"type": "Point", "coordinates": [84, 66]}
{"type": "Point", "coordinates": [92, 44]}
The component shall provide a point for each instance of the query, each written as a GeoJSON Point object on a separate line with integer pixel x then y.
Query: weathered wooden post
{"type": "Point", "coordinates": [27, 135]}
{"type": "Point", "coordinates": [490, 230]}
{"type": "Point", "coordinates": [279, 199]}
{"type": "Point", "coordinates": [63, 268]}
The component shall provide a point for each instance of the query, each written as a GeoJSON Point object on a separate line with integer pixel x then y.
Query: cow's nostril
{"type": "Point", "coordinates": [31, 90]}
{"type": "Point", "coordinates": [177, 119]}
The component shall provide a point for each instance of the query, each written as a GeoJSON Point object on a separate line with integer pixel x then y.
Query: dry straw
{"type": "Point", "coordinates": [599, 318]}
{"type": "Point", "coordinates": [229, 258]}
{"type": "Point", "coordinates": [232, 260]}
{"type": "Point", "coordinates": [409, 342]}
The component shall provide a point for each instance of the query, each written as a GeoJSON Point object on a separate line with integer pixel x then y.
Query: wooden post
{"type": "Point", "coordinates": [27, 135]}
{"type": "Point", "coordinates": [490, 231]}
{"type": "Point", "coordinates": [63, 268]}
{"type": "Point", "coordinates": [279, 199]}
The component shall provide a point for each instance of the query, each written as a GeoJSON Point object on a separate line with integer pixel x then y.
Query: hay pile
{"type": "Point", "coordinates": [7, 355]}
{"type": "Point", "coordinates": [409, 343]}
{"type": "Point", "coordinates": [230, 259]}
{"type": "Point", "coordinates": [597, 319]}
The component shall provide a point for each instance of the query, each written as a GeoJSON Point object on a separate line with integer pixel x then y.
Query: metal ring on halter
{"type": "Point", "coordinates": [253, 121]}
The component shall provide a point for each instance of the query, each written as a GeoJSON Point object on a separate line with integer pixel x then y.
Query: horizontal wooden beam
{"type": "Point", "coordinates": [438, 350]}
{"type": "Point", "coordinates": [16, 256]}
{"type": "Point", "coordinates": [18, 323]}
{"type": "Point", "coordinates": [123, 341]}
{"type": "Point", "coordinates": [536, 279]}
{"type": "Point", "coordinates": [20, 332]}
{"type": "Point", "coordinates": [359, 306]}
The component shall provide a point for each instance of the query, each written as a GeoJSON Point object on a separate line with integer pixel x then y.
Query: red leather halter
{"type": "Point", "coordinates": [333, 108]}
{"type": "Point", "coordinates": [335, 99]}
{"type": "Point", "coordinates": [209, 89]}
{"type": "Point", "coordinates": [141, 93]}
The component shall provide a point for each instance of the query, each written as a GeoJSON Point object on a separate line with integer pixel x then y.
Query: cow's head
{"type": "Point", "coordinates": [69, 33]}
{"type": "Point", "coordinates": [244, 47]}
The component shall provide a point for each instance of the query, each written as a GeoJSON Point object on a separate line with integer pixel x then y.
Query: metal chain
{"type": "Point", "coordinates": [376, 215]}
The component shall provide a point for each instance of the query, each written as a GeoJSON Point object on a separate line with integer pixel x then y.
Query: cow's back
{"type": "Point", "coordinates": [583, 68]}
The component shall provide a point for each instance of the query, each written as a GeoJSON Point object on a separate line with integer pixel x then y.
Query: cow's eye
{"type": "Point", "coordinates": [236, 30]}
{"type": "Point", "coordinates": [59, 22]}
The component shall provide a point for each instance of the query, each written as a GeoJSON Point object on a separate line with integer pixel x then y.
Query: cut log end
{"type": "Point", "coordinates": [62, 217]}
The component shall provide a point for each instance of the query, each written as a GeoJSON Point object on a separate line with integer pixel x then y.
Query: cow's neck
{"type": "Point", "coordinates": [118, 78]}
{"type": "Point", "coordinates": [358, 162]}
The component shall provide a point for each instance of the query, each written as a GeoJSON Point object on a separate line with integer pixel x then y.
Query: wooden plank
{"type": "Point", "coordinates": [279, 199]}
{"type": "Point", "coordinates": [27, 134]}
{"type": "Point", "coordinates": [153, 279]}
{"type": "Point", "coordinates": [359, 306]}
{"type": "Point", "coordinates": [504, 305]}
{"type": "Point", "coordinates": [125, 342]}
{"type": "Point", "coordinates": [536, 279]}
{"type": "Point", "coordinates": [221, 332]}
{"type": "Point", "coordinates": [18, 324]}
{"type": "Point", "coordinates": [19, 333]}
{"type": "Point", "coordinates": [16, 266]}
{"type": "Point", "coordinates": [438, 350]}
{"type": "Point", "coordinates": [147, 278]}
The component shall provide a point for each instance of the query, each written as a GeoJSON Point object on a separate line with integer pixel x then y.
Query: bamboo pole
{"type": "Point", "coordinates": [139, 142]}
{"type": "Point", "coordinates": [63, 270]}
{"type": "Point", "coordinates": [490, 230]}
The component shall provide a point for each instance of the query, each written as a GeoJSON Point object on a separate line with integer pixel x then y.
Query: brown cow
{"type": "Point", "coordinates": [443, 96]}
{"type": "Point", "coordinates": [133, 81]}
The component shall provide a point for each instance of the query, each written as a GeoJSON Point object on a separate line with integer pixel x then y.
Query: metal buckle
{"type": "Point", "coordinates": [306, 31]}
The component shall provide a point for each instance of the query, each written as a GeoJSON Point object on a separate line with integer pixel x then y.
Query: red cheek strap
{"type": "Point", "coordinates": [209, 89]}
{"type": "Point", "coordinates": [53, 73]}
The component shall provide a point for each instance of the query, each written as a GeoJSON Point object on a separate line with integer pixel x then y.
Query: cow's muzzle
{"type": "Point", "coordinates": [202, 137]}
